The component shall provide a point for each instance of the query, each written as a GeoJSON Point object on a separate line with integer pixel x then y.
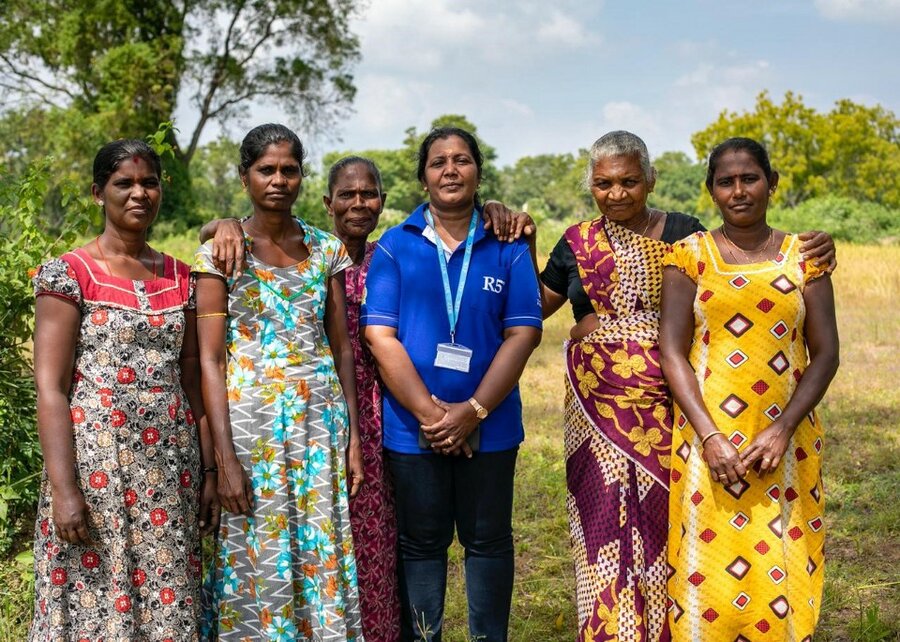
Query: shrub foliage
{"type": "Point", "coordinates": [24, 242]}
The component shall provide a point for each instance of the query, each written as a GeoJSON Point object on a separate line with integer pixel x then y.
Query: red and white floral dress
{"type": "Point", "coordinates": [138, 464]}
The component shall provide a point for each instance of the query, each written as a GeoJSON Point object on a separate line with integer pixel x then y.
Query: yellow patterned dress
{"type": "Point", "coordinates": [747, 559]}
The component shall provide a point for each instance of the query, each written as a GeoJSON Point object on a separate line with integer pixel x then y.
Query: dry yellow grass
{"type": "Point", "coordinates": [862, 473]}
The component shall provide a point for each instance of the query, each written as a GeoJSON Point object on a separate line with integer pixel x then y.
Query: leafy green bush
{"type": "Point", "coordinates": [24, 243]}
{"type": "Point", "coordinates": [845, 219]}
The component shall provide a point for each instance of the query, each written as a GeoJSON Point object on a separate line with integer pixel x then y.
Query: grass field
{"type": "Point", "coordinates": [862, 478]}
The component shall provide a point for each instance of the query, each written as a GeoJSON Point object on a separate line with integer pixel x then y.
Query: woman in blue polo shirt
{"type": "Point", "coordinates": [452, 315]}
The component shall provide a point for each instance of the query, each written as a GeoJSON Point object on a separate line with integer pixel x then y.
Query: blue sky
{"type": "Point", "coordinates": [550, 77]}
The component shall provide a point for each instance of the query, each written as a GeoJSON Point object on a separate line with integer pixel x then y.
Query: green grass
{"type": "Point", "coordinates": [862, 477]}
{"type": "Point", "coordinates": [16, 596]}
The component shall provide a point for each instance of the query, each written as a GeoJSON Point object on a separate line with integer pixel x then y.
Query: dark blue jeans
{"type": "Point", "coordinates": [434, 493]}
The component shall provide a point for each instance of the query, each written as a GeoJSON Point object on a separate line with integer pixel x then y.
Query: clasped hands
{"type": "Point", "coordinates": [452, 423]}
{"type": "Point", "coordinates": [727, 465]}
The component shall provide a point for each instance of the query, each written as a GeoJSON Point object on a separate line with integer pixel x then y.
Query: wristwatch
{"type": "Point", "coordinates": [480, 411]}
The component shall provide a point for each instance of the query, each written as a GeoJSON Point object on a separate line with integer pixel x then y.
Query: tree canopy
{"type": "Point", "coordinates": [679, 183]}
{"type": "Point", "coordinates": [852, 150]}
{"type": "Point", "coordinates": [548, 185]}
{"type": "Point", "coordinates": [76, 73]}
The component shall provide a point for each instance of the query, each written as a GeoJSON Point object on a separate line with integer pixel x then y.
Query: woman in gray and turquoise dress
{"type": "Point", "coordinates": [278, 382]}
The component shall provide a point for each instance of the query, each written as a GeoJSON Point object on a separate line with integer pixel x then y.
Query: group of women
{"type": "Point", "coordinates": [350, 404]}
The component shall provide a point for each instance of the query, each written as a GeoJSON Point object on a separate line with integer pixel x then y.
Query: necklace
{"type": "Point", "coordinates": [106, 262]}
{"type": "Point", "coordinates": [735, 246]}
{"type": "Point", "coordinates": [646, 225]}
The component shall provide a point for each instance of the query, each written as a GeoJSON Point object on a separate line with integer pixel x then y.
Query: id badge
{"type": "Point", "coordinates": [453, 356]}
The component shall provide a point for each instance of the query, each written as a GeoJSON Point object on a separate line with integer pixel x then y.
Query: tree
{"type": "Point", "coordinates": [678, 182]}
{"type": "Point", "coordinates": [102, 69]}
{"type": "Point", "coordinates": [852, 150]}
{"type": "Point", "coordinates": [549, 185]}
{"type": "Point", "coordinates": [215, 181]}
{"type": "Point", "coordinates": [24, 243]}
{"type": "Point", "coordinates": [861, 149]}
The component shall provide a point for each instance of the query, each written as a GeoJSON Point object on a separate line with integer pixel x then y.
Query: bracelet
{"type": "Point", "coordinates": [212, 314]}
{"type": "Point", "coordinates": [710, 435]}
{"type": "Point", "coordinates": [210, 469]}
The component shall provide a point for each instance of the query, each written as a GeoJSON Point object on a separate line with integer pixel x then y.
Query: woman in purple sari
{"type": "Point", "coordinates": [618, 421]}
{"type": "Point", "coordinates": [354, 202]}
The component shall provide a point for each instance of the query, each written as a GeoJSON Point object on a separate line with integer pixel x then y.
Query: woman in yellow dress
{"type": "Point", "coordinates": [749, 345]}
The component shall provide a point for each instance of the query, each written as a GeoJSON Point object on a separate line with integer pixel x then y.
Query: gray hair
{"type": "Point", "coordinates": [347, 161]}
{"type": "Point", "coordinates": [619, 143]}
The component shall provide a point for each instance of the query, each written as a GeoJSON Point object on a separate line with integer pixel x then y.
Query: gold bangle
{"type": "Point", "coordinates": [212, 314]}
{"type": "Point", "coordinates": [710, 435]}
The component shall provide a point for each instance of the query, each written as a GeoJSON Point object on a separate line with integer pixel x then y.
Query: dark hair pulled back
{"type": "Point", "coordinates": [442, 133]}
{"type": "Point", "coordinates": [111, 155]}
{"type": "Point", "coordinates": [258, 139]}
{"type": "Point", "coordinates": [738, 144]}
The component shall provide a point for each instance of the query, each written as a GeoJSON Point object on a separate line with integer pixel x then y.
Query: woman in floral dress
{"type": "Point", "coordinates": [116, 549]}
{"type": "Point", "coordinates": [275, 356]}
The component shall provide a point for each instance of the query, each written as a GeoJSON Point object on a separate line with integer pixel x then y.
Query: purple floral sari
{"type": "Point", "coordinates": [618, 438]}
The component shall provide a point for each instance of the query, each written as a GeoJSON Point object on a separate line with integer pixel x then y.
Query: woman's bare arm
{"type": "Point", "coordinates": [342, 349]}
{"type": "Point", "coordinates": [501, 377]}
{"type": "Point", "coordinates": [675, 336]}
{"type": "Point", "coordinates": [399, 374]}
{"type": "Point", "coordinates": [234, 488]}
{"type": "Point", "coordinates": [228, 245]}
{"type": "Point", "coordinates": [57, 324]}
{"type": "Point", "coordinates": [820, 328]}
{"type": "Point", "coordinates": [190, 383]}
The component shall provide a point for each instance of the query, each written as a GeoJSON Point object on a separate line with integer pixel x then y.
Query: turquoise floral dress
{"type": "Point", "coordinates": [288, 572]}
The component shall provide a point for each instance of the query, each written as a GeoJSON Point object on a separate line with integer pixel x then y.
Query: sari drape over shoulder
{"type": "Point", "coordinates": [618, 438]}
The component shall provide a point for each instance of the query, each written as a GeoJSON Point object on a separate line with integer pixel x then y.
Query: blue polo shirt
{"type": "Point", "coordinates": [404, 291]}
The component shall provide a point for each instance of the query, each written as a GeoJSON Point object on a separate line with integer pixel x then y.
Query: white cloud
{"type": "Point", "coordinates": [710, 76]}
{"type": "Point", "coordinates": [860, 10]}
{"type": "Point", "coordinates": [694, 49]}
{"type": "Point", "coordinates": [517, 108]}
{"type": "Point", "coordinates": [550, 77]}
{"type": "Point", "coordinates": [565, 31]}
{"type": "Point", "coordinates": [384, 102]}
{"type": "Point", "coordinates": [709, 89]}
{"type": "Point", "coordinates": [628, 116]}
{"type": "Point", "coordinates": [416, 35]}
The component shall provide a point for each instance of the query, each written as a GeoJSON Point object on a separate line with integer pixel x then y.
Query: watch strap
{"type": "Point", "coordinates": [480, 411]}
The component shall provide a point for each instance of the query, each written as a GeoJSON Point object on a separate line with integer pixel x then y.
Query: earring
{"type": "Point", "coordinates": [100, 203]}
{"type": "Point", "coordinates": [424, 188]}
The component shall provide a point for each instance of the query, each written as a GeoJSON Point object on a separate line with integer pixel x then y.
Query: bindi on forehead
{"type": "Point", "coordinates": [135, 158]}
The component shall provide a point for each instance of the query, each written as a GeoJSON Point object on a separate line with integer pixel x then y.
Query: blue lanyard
{"type": "Point", "coordinates": [453, 306]}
